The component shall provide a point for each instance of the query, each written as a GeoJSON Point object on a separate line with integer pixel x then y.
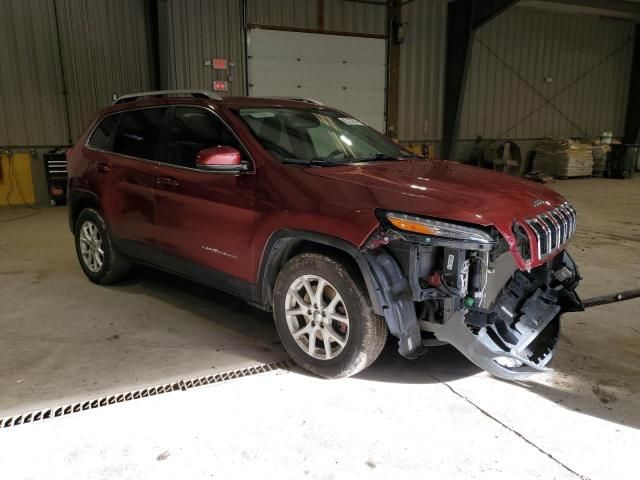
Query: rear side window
{"type": "Point", "coordinates": [138, 133]}
{"type": "Point", "coordinates": [100, 136]}
{"type": "Point", "coordinates": [194, 129]}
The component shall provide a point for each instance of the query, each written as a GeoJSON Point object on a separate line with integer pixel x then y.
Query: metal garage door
{"type": "Point", "coordinates": [345, 72]}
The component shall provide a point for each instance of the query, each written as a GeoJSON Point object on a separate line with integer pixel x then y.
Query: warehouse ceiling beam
{"type": "Point", "coordinates": [464, 18]}
{"type": "Point", "coordinates": [603, 6]}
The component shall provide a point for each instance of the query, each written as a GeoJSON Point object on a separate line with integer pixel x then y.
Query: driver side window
{"type": "Point", "coordinates": [194, 129]}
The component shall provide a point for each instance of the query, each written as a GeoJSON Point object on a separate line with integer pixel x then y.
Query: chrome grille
{"type": "Point", "coordinates": [553, 228]}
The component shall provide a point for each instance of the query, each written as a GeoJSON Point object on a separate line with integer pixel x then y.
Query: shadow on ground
{"type": "Point", "coordinates": [579, 383]}
{"type": "Point", "coordinates": [439, 364]}
{"type": "Point", "coordinates": [219, 308]}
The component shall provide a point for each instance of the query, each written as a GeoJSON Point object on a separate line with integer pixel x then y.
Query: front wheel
{"type": "Point", "coordinates": [324, 317]}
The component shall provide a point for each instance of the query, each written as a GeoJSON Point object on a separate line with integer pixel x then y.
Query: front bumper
{"type": "Point", "coordinates": [482, 350]}
{"type": "Point", "coordinates": [521, 336]}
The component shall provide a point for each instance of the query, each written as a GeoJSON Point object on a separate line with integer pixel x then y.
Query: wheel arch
{"type": "Point", "coordinates": [78, 201]}
{"type": "Point", "coordinates": [286, 244]}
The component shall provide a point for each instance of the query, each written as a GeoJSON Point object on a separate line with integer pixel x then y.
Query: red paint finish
{"type": "Point", "coordinates": [216, 156]}
{"type": "Point", "coordinates": [224, 221]}
{"type": "Point", "coordinates": [124, 186]}
{"type": "Point", "coordinates": [207, 218]}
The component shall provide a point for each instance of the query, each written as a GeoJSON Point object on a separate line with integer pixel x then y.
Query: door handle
{"type": "Point", "coordinates": [103, 167]}
{"type": "Point", "coordinates": [168, 181]}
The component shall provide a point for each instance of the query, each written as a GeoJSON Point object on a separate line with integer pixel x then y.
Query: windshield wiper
{"type": "Point", "coordinates": [314, 162]}
{"type": "Point", "coordinates": [382, 157]}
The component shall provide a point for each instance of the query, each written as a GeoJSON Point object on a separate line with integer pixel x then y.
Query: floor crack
{"type": "Point", "coordinates": [507, 427]}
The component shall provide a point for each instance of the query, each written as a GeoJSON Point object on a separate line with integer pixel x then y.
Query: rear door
{"type": "Point", "coordinates": [126, 168]}
{"type": "Point", "coordinates": [204, 217]}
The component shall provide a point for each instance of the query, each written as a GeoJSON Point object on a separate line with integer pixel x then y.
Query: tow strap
{"type": "Point", "coordinates": [611, 298]}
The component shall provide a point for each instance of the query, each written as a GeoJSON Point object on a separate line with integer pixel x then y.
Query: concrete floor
{"type": "Point", "coordinates": [63, 339]}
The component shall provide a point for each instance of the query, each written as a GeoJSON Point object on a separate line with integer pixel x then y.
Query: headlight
{"type": "Point", "coordinates": [437, 228]}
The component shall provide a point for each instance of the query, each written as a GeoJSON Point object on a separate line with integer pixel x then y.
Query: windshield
{"type": "Point", "coordinates": [318, 136]}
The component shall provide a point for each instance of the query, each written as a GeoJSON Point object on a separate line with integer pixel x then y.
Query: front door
{"type": "Point", "coordinates": [204, 217]}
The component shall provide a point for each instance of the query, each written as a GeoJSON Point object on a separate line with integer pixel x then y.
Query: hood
{"type": "Point", "coordinates": [441, 189]}
{"type": "Point", "coordinates": [448, 190]}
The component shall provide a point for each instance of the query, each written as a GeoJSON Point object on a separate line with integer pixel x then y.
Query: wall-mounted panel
{"type": "Point", "coordinates": [200, 31]}
{"type": "Point", "coordinates": [105, 51]}
{"type": "Point", "coordinates": [535, 74]}
{"type": "Point", "coordinates": [283, 13]}
{"type": "Point", "coordinates": [421, 70]}
{"type": "Point", "coordinates": [31, 100]}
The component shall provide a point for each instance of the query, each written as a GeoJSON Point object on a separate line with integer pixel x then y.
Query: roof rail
{"type": "Point", "coordinates": [298, 99]}
{"type": "Point", "coordinates": [160, 93]}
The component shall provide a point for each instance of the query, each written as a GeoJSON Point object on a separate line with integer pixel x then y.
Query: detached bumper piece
{"type": "Point", "coordinates": [518, 337]}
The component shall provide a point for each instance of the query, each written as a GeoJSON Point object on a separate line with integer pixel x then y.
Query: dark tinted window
{"type": "Point", "coordinates": [138, 133]}
{"type": "Point", "coordinates": [194, 129]}
{"type": "Point", "coordinates": [100, 137]}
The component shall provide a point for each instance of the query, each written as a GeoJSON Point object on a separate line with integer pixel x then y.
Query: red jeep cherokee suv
{"type": "Point", "coordinates": [301, 209]}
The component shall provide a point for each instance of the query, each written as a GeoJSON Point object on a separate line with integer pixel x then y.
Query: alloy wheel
{"type": "Point", "coordinates": [317, 317]}
{"type": "Point", "coordinates": [91, 246]}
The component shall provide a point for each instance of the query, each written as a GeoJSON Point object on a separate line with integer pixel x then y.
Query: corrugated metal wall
{"type": "Point", "coordinates": [205, 30]}
{"type": "Point", "coordinates": [339, 15]}
{"type": "Point", "coordinates": [105, 50]}
{"type": "Point", "coordinates": [587, 58]}
{"type": "Point", "coordinates": [421, 70]}
{"type": "Point", "coordinates": [353, 17]}
{"type": "Point", "coordinates": [31, 100]}
{"type": "Point", "coordinates": [283, 13]}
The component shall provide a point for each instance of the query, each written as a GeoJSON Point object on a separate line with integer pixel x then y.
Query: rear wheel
{"type": "Point", "coordinates": [97, 255]}
{"type": "Point", "coordinates": [324, 317]}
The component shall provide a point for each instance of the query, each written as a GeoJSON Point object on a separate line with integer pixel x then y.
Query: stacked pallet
{"type": "Point", "coordinates": [600, 152]}
{"type": "Point", "coordinates": [563, 158]}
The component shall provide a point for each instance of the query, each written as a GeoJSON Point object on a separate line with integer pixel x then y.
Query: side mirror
{"type": "Point", "coordinates": [220, 159]}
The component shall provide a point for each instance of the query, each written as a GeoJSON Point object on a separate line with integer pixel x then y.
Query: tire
{"type": "Point", "coordinates": [354, 344]}
{"type": "Point", "coordinates": [91, 233]}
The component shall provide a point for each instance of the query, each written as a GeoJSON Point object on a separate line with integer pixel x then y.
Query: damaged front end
{"type": "Point", "coordinates": [441, 283]}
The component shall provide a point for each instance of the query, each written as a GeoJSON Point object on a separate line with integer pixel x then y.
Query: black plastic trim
{"type": "Point", "coordinates": [75, 197]}
{"type": "Point", "coordinates": [387, 286]}
{"type": "Point", "coordinates": [283, 240]}
{"type": "Point", "coordinates": [395, 294]}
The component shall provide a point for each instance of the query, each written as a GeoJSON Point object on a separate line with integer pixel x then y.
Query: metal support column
{"type": "Point", "coordinates": [394, 20]}
{"type": "Point", "coordinates": [464, 18]}
{"type": "Point", "coordinates": [153, 37]}
{"type": "Point", "coordinates": [632, 122]}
